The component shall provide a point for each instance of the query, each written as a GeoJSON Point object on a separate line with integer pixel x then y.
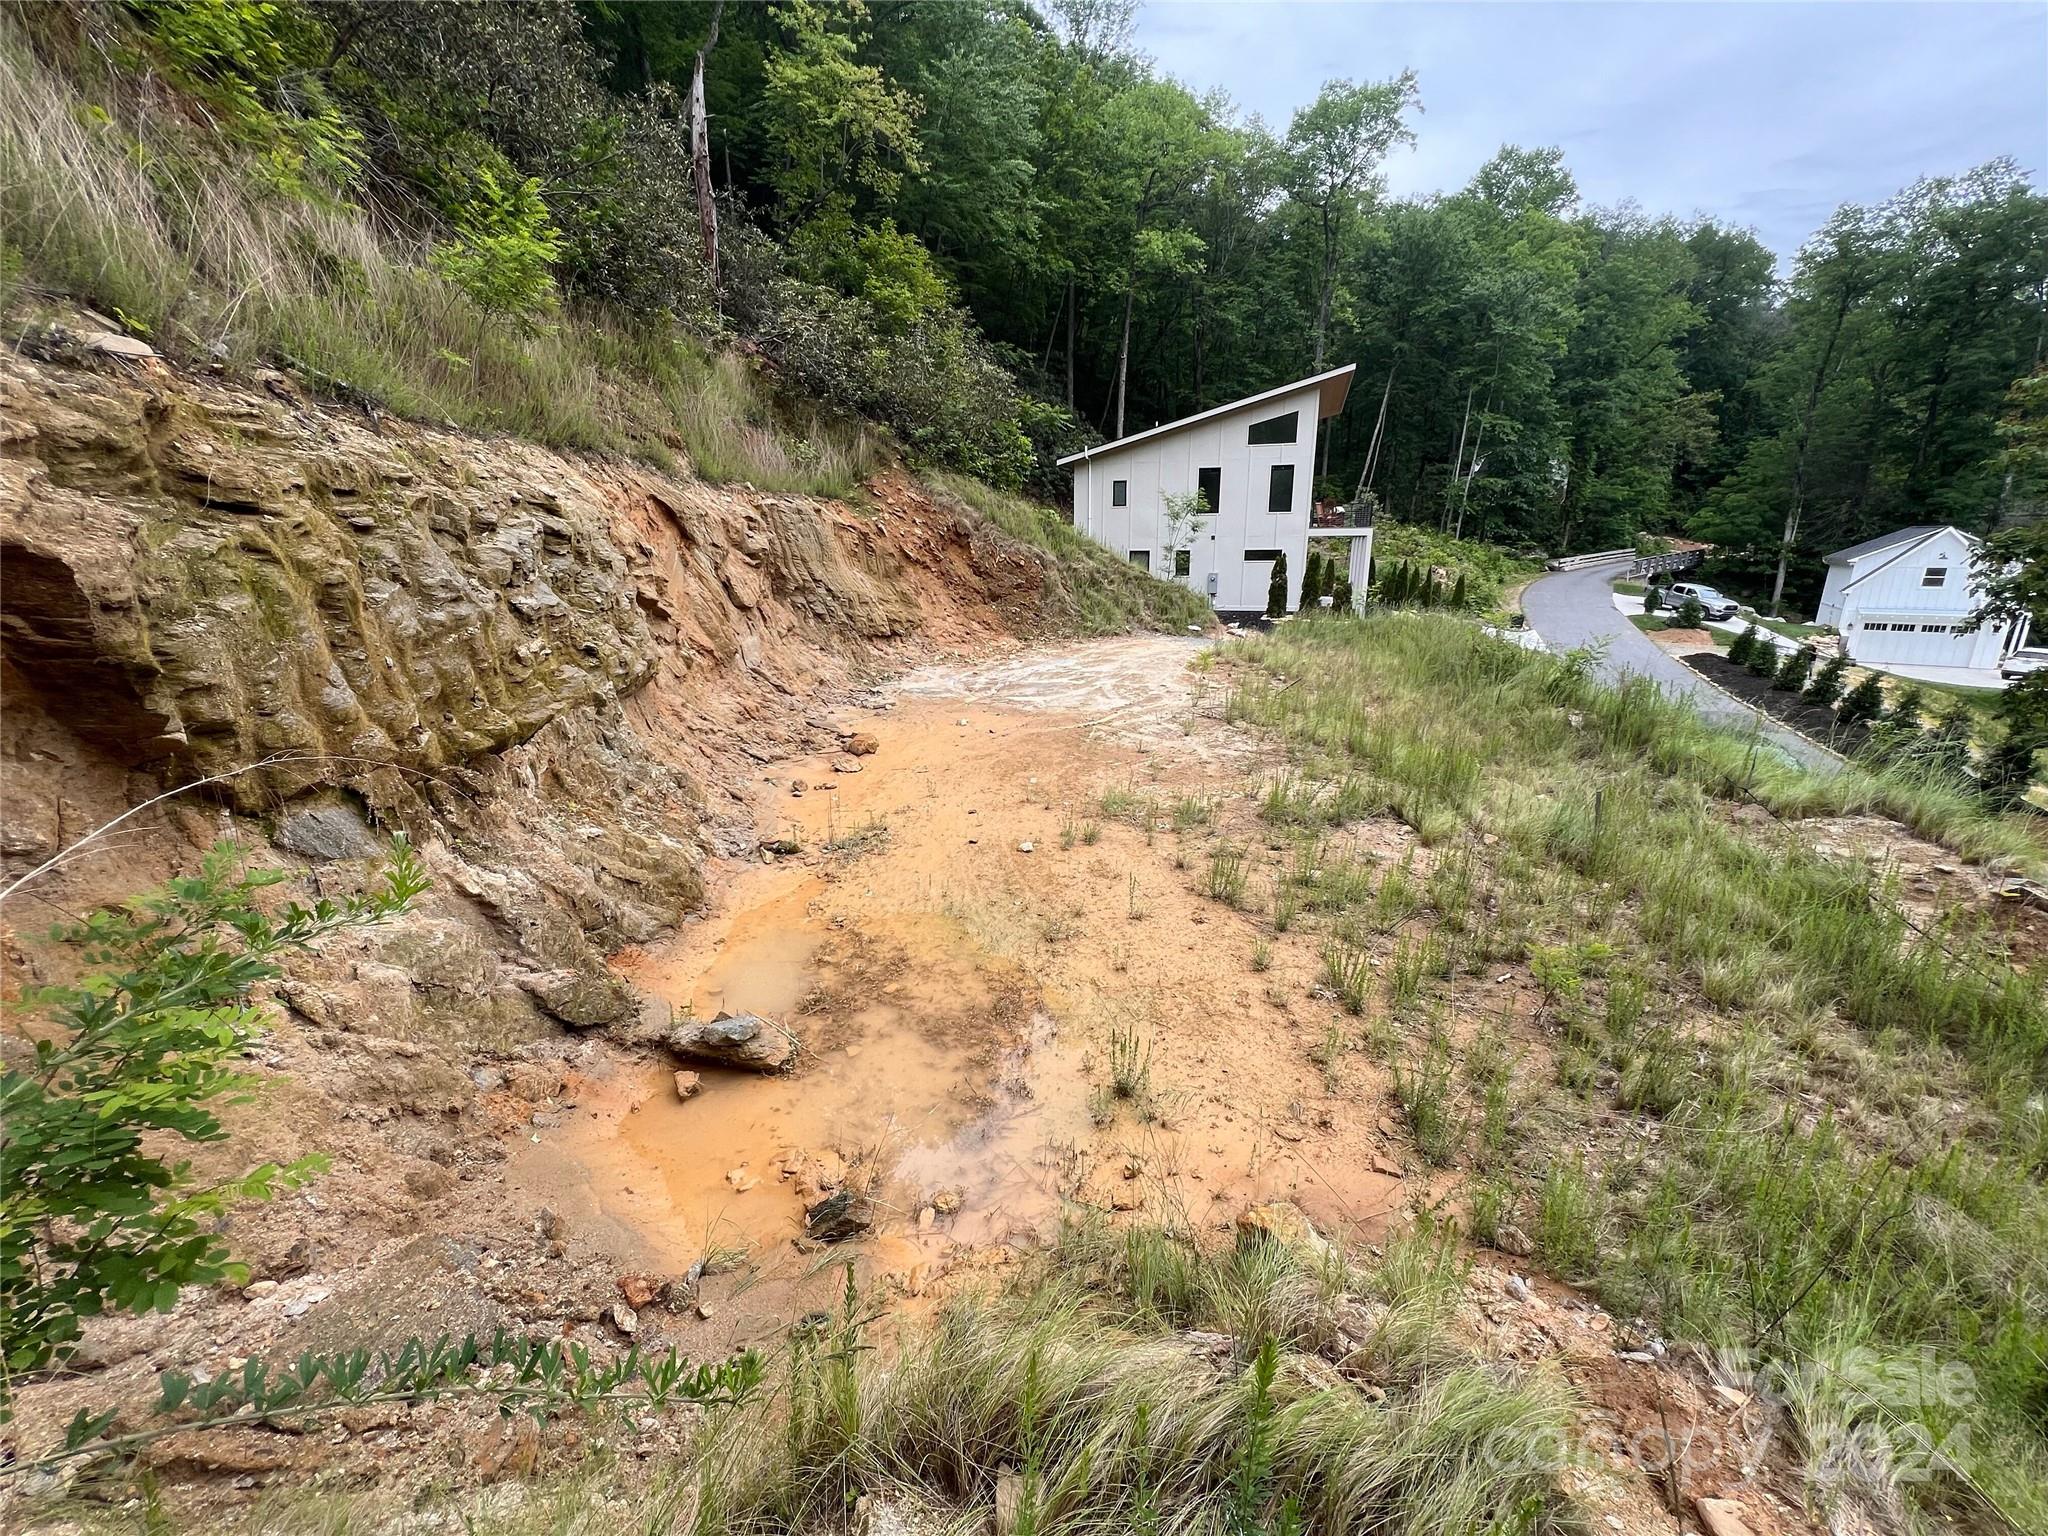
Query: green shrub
{"type": "Point", "coordinates": [504, 249]}
{"type": "Point", "coordinates": [140, 1052]}
{"type": "Point", "coordinates": [1276, 588]}
{"type": "Point", "coordinates": [1826, 685]}
{"type": "Point", "coordinates": [1652, 600]}
{"type": "Point", "coordinates": [1763, 659]}
{"type": "Point", "coordinates": [1744, 645]}
{"type": "Point", "coordinates": [1792, 671]}
{"type": "Point", "coordinates": [1864, 702]}
{"type": "Point", "coordinates": [1691, 615]}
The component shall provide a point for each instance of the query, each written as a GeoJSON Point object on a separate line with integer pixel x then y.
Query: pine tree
{"type": "Point", "coordinates": [1652, 600]}
{"type": "Point", "coordinates": [1826, 686]}
{"type": "Point", "coordinates": [1276, 588]}
{"type": "Point", "coordinates": [1763, 661]}
{"type": "Point", "coordinates": [1794, 669]}
{"type": "Point", "coordinates": [1744, 645]}
{"type": "Point", "coordinates": [1864, 702]}
{"type": "Point", "coordinates": [1907, 707]}
{"type": "Point", "coordinates": [1311, 581]}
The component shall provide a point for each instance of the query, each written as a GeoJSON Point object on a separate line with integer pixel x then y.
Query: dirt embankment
{"type": "Point", "coordinates": [550, 670]}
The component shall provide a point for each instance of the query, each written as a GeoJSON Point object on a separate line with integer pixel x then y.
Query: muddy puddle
{"type": "Point", "coordinates": [959, 942]}
{"type": "Point", "coordinates": [931, 1079]}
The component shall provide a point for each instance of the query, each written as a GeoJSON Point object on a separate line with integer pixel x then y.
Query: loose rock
{"type": "Point", "coordinates": [687, 1084]}
{"type": "Point", "coordinates": [839, 1216]}
{"type": "Point", "coordinates": [736, 1040]}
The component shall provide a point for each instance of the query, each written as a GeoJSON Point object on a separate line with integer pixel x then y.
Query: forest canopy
{"type": "Point", "coordinates": [1000, 230]}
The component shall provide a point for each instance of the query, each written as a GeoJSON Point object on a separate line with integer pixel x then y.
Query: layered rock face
{"type": "Point", "coordinates": [543, 667]}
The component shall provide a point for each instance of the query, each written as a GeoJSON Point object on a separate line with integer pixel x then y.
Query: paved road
{"type": "Point", "coordinates": [1576, 608]}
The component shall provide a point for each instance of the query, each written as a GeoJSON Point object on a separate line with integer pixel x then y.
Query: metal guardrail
{"type": "Point", "coordinates": [1574, 562]}
{"type": "Point", "coordinates": [1652, 565]}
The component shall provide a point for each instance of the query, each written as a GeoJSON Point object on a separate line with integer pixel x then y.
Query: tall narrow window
{"type": "Point", "coordinates": [1119, 493]}
{"type": "Point", "coordinates": [1183, 561]}
{"type": "Point", "coordinates": [1280, 491]}
{"type": "Point", "coordinates": [1142, 559]}
{"type": "Point", "coordinates": [1210, 483]}
{"type": "Point", "coordinates": [1274, 429]}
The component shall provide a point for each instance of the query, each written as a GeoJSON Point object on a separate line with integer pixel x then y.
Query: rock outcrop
{"type": "Point", "coordinates": [544, 667]}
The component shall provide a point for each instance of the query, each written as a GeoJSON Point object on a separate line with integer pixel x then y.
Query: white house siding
{"type": "Point", "coordinates": [1167, 464]}
{"type": "Point", "coordinates": [1886, 611]}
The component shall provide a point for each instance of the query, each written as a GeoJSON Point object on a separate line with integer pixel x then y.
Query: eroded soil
{"type": "Point", "coordinates": [1016, 997]}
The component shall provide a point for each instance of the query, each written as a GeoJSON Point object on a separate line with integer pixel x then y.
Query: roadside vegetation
{"type": "Point", "coordinates": [1469, 575]}
{"type": "Point", "coordinates": [1782, 1116]}
{"type": "Point", "coordinates": [1098, 592]}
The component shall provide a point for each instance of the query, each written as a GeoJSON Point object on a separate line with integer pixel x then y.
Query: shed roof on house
{"type": "Point", "coordinates": [1335, 387]}
{"type": "Point", "coordinates": [1883, 541]}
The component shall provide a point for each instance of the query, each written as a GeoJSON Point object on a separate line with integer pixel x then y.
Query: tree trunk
{"type": "Point", "coordinates": [1123, 350]}
{"type": "Point", "coordinates": [1820, 377]}
{"type": "Point", "coordinates": [700, 152]}
{"type": "Point", "coordinates": [1070, 343]}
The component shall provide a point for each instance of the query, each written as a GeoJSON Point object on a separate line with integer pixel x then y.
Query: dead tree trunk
{"type": "Point", "coordinates": [700, 152]}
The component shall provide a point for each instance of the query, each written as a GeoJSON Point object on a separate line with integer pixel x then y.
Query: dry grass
{"type": "Point", "coordinates": [124, 205]}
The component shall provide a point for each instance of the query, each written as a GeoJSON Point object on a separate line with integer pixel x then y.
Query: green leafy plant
{"type": "Point", "coordinates": [1691, 615]}
{"type": "Point", "coordinates": [1276, 588]}
{"type": "Point", "coordinates": [1744, 645]}
{"type": "Point", "coordinates": [521, 1375]}
{"type": "Point", "coordinates": [505, 247]}
{"type": "Point", "coordinates": [94, 1214]}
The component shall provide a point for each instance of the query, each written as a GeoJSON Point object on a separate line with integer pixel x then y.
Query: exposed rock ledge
{"type": "Point", "coordinates": [545, 667]}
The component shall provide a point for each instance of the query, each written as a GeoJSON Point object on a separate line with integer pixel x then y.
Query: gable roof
{"type": "Point", "coordinates": [1335, 386]}
{"type": "Point", "coordinates": [1883, 541]}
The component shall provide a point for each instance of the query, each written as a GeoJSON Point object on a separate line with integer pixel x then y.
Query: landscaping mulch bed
{"type": "Point", "coordinates": [1812, 721]}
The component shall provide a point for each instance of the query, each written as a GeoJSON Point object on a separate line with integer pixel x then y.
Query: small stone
{"type": "Point", "coordinates": [687, 1084]}
{"type": "Point", "coordinates": [1511, 1239]}
{"type": "Point", "coordinates": [796, 789]}
{"type": "Point", "coordinates": [1721, 1517]}
{"type": "Point", "coordinates": [1025, 846]}
{"type": "Point", "coordinates": [839, 1216]}
{"type": "Point", "coordinates": [740, 1179]}
{"type": "Point", "coordinates": [638, 1290]}
{"type": "Point", "coordinates": [625, 1319]}
{"type": "Point", "coordinates": [947, 1200]}
{"type": "Point", "coordinates": [861, 744]}
{"type": "Point", "coordinates": [256, 1290]}
{"type": "Point", "coordinates": [925, 1217]}
{"type": "Point", "coordinates": [114, 344]}
{"type": "Point", "coordinates": [846, 765]}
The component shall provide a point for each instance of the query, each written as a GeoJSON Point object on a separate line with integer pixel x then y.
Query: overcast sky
{"type": "Point", "coordinates": [1765, 114]}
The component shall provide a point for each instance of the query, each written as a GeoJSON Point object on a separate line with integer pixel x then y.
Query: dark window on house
{"type": "Point", "coordinates": [1934, 576]}
{"type": "Point", "coordinates": [1210, 483]}
{"type": "Point", "coordinates": [1274, 429]}
{"type": "Point", "coordinates": [1142, 559]}
{"type": "Point", "coordinates": [1183, 561]}
{"type": "Point", "coordinates": [1268, 555]}
{"type": "Point", "coordinates": [1280, 490]}
{"type": "Point", "coordinates": [1119, 493]}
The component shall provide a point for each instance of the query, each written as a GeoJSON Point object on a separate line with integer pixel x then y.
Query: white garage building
{"type": "Point", "coordinates": [1254, 462]}
{"type": "Point", "coordinates": [1903, 599]}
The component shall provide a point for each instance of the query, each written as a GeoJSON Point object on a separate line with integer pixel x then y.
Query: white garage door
{"type": "Point", "coordinates": [1922, 642]}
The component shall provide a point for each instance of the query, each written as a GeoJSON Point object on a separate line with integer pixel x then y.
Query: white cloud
{"type": "Point", "coordinates": [1769, 114]}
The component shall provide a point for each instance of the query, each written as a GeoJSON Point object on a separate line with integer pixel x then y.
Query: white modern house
{"type": "Point", "coordinates": [1903, 599]}
{"type": "Point", "coordinates": [1254, 463]}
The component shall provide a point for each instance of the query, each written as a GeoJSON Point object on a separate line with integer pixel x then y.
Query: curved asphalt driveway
{"type": "Point", "coordinates": [1570, 609]}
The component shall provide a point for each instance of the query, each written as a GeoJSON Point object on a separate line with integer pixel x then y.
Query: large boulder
{"type": "Point", "coordinates": [744, 1040]}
